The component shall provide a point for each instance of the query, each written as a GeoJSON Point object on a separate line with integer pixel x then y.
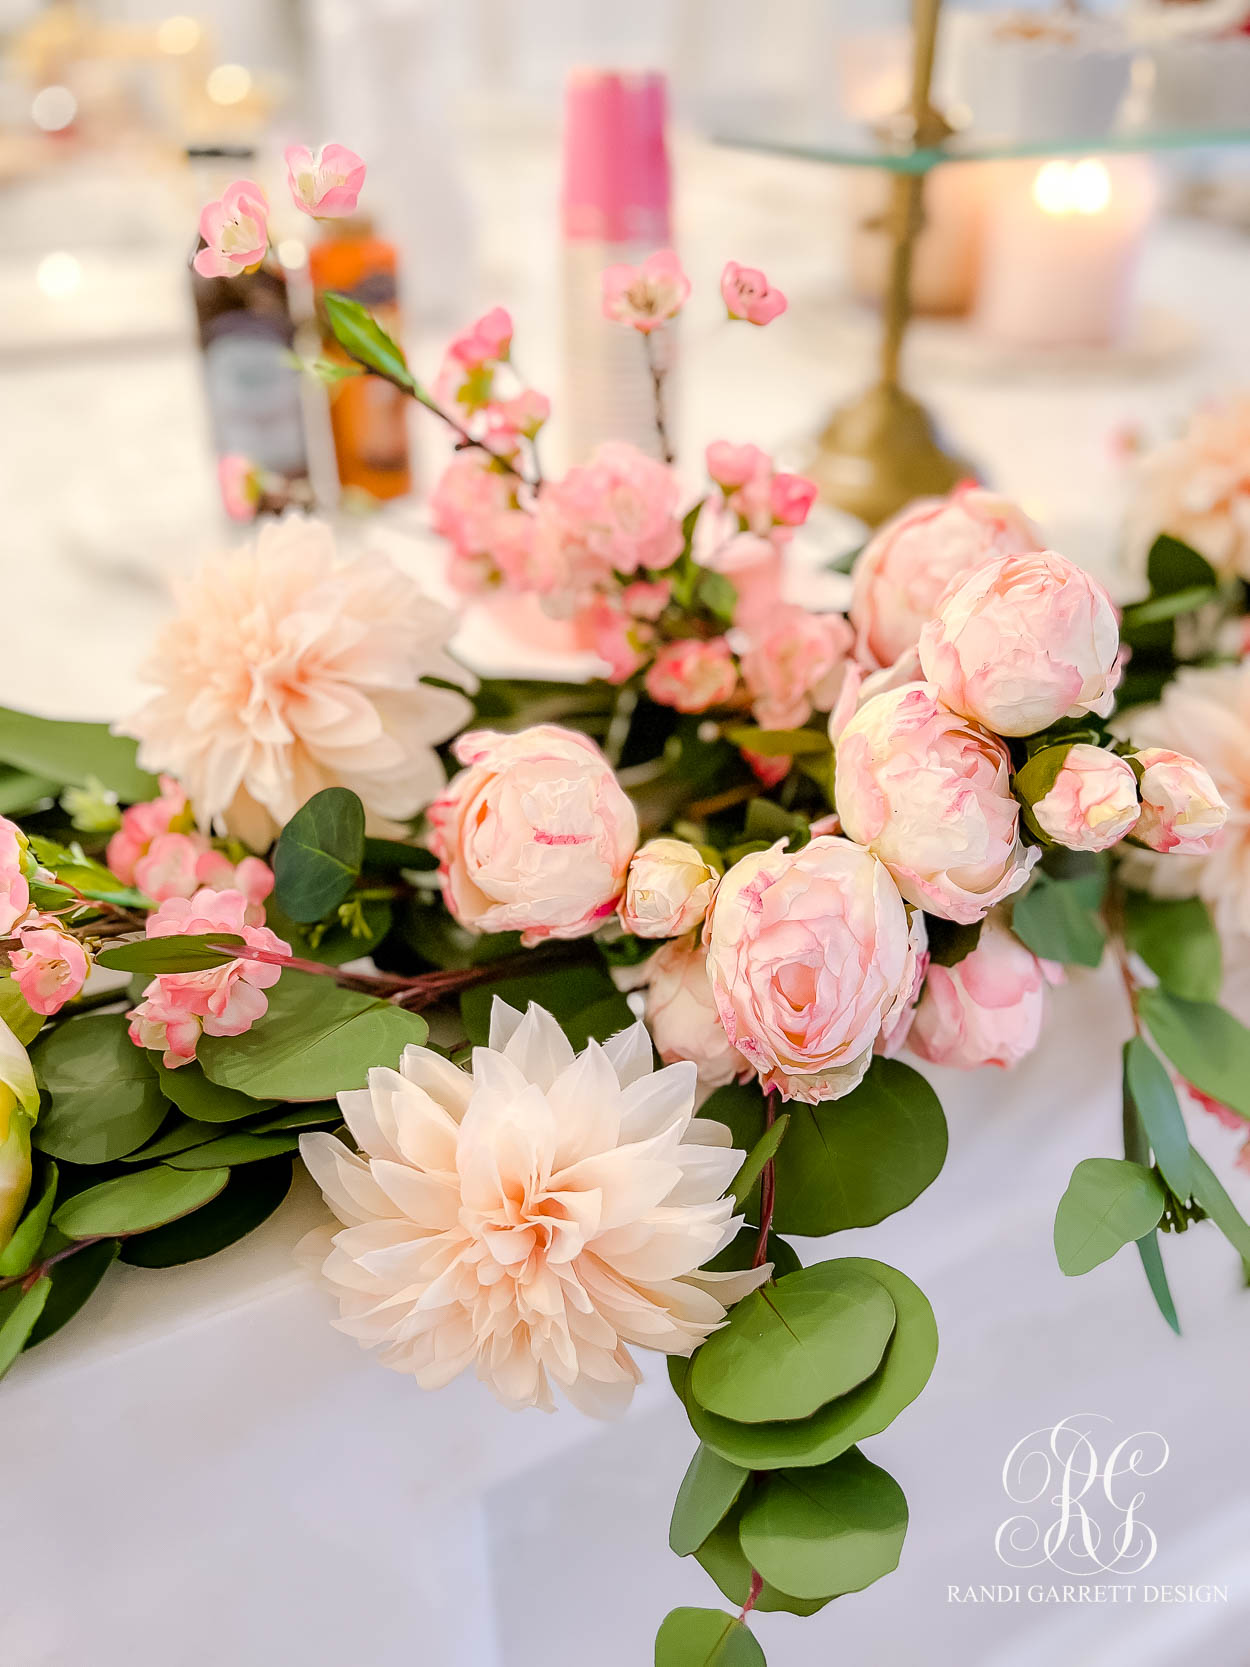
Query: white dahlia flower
{"type": "Point", "coordinates": [532, 1218]}
{"type": "Point", "coordinates": [289, 668]}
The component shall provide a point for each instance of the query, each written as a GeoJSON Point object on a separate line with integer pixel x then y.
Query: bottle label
{"type": "Point", "coordinates": [254, 396]}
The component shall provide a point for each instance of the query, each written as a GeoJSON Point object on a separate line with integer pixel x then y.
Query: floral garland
{"type": "Point", "coordinates": [796, 844]}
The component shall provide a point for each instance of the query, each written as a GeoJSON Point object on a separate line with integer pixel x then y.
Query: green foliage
{"type": "Point", "coordinates": [74, 1280]}
{"type": "Point", "coordinates": [20, 790]}
{"type": "Point", "coordinates": [359, 333]}
{"type": "Point", "coordinates": [1109, 1202]}
{"type": "Point", "coordinates": [234, 1149]}
{"type": "Point", "coordinates": [19, 1253]}
{"type": "Point", "coordinates": [104, 1099]}
{"type": "Point", "coordinates": [319, 854]}
{"type": "Point", "coordinates": [1034, 780]}
{"type": "Point", "coordinates": [315, 1040]}
{"type": "Point", "coordinates": [791, 1347]}
{"type": "Point", "coordinates": [73, 753]}
{"type": "Point", "coordinates": [1148, 1087]}
{"type": "Point", "coordinates": [205, 1101]}
{"type": "Point", "coordinates": [1156, 1277]}
{"type": "Point", "coordinates": [1058, 919]}
{"type": "Point", "coordinates": [134, 1203]}
{"type": "Point", "coordinates": [705, 1638]}
{"type": "Point", "coordinates": [354, 929]}
{"type": "Point", "coordinates": [193, 953]}
{"type": "Point", "coordinates": [1219, 1206]}
{"type": "Point", "coordinates": [722, 1557]}
{"type": "Point", "coordinates": [1177, 940]}
{"type": "Point", "coordinates": [949, 944]}
{"type": "Point", "coordinates": [825, 1531]}
{"type": "Point", "coordinates": [739, 1253]}
{"type": "Point", "coordinates": [583, 999]}
{"type": "Point", "coordinates": [17, 1012]}
{"type": "Point", "coordinates": [779, 743]}
{"type": "Point", "coordinates": [19, 1310]}
{"type": "Point", "coordinates": [1208, 1046]}
{"type": "Point", "coordinates": [1173, 566]}
{"type": "Point", "coordinates": [250, 1196]}
{"type": "Point", "coordinates": [709, 1488]}
{"type": "Point", "coordinates": [762, 1153]}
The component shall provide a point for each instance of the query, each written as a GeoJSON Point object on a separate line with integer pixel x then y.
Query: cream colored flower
{"type": "Point", "coordinates": [532, 1218]}
{"type": "Point", "coordinates": [289, 668]}
{"type": "Point", "coordinates": [1197, 486]}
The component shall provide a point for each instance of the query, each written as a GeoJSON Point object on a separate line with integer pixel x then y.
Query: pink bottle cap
{"type": "Point", "coordinates": [616, 179]}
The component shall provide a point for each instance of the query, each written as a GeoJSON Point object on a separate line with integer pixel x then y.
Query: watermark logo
{"type": "Point", "coordinates": [1081, 1499]}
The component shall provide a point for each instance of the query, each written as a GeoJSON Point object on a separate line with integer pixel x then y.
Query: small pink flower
{"type": "Point", "coordinates": [644, 297]}
{"type": "Point", "coordinates": [668, 890]}
{"type": "Point", "coordinates": [692, 676]}
{"type": "Point", "coordinates": [239, 481]}
{"type": "Point", "coordinates": [986, 1009]}
{"type": "Point", "coordinates": [50, 967]}
{"type": "Point", "coordinates": [236, 229]}
{"type": "Point", "coordinates": [616, 637]}
{"type": "Point", "coordinates": [752, 563]}
{"type": "Point", "coordinates": [181, 864]}
{"type": "Point", "coordinates": [794, 665]}
{"type": "Point", "coordinates": [791, 498]}
{"type": "Point", "coordinates": [14, 886]}
{"type": "Point", "coordinates": [747, 294]}
{"type": "Point", "coordinates": [733, 466]}
{"type": "Point", "coordinates": [681, 1014]}
{"type": "Point", "coordinates": [1181, 807]}
{"type": "Point", "coordinates": [324, 183]}
{"type": "Point", "coordinates": [769, 771]}
{"type": "Point", "coordinates": [142, 823]}
{"type": "Point", "coordinates": [1092, 803]}
{"type": "Point", "coordinates": [647, 598]}
{"type": "Point", "coordinates": [525, 413]}
{"type": "Point", "coordinates": [485, 342]}
{"type": "Point", "coordinates": [615, 514]}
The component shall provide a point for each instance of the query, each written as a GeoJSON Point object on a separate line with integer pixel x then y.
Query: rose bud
{"type": "Point", "coordinates": [681, 1014]}
{"type": "Point", "coordinates": [668, 889]}
{"type": "Point", "coordinates": [929, 793]}
{"type": "Point", "coordinates": [1092, 802]}
{"type": "Point", "coordinates": [1181, 807]}
{"type": "Point", "coordinates": [1022, 641]}
{"type": "Point", "coordinates": [986, 1009]}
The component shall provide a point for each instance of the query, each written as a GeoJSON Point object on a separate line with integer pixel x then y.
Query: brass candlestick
{"type": "Point", "coordinates": [880, 451]}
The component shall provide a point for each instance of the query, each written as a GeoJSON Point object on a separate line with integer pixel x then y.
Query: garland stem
{"type": "Point", "coordinates": [657, 390]}
{"type": "Point", "coordinates": [757, 1586]}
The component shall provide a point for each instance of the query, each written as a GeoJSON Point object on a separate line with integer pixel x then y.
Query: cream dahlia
{"type": "Point", "coordinates": [289, 668]}
{"type": "Point", "coordinates": [532, 1218]}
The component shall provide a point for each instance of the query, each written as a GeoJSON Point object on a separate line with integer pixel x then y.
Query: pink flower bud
{"type": "Point", "coordinates": [667, 890]}
{"type": "Point", "coordinates": [50, 967]}
{"type": "Point", "coordinates": [791, 498]}
{"type": "Point", "coordinates": [682, 1018]}
{"type": "Point", "coordinates": [1181, 807]}
{"type": "Point", "coordinates": [644, 297]}
{"type": "Point", "coordinates": [236, 229]}
{"type": "Point", "coordinates": [733, 466]}
{"type": "Point", "coordinates": [692, 676]}
{"type": "Point", "coordinates": [984, 1010]}
{"type": "Point", "coordinates": [1092, 802]}
{"type": "Point", "coordinates": [324, 183]}
{"type": "Point", "coordinates": [747, 294]}
{"type": "Point", "coordinates": [486, 341]}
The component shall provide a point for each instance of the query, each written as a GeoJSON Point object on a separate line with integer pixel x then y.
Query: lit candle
{"type": "Point", "coordinates": [1062, 241]}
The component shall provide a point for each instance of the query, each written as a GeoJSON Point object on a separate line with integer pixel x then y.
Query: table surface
{"type": "Point", "coordinates": [203, 1470]}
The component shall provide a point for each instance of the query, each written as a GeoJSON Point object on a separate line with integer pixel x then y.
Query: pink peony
{"type": "Point", "coordinates": [236, 230]}
{"type": "Point", "coordinates": [692, 675]}
{"type": "Point", "coordinates": [986, 1009]}
{"type": "Point", "coordinates": [747, 294]}
{"type": "Point", "coordinates": [681, 1014]}
{"type": "Point", "coordinates": [533, 835]}
{"type": "Point", "coordinates": [1181, 807]}
{"type": "Point", "coordinates": [324, 183]}
{"type": "Point", "coordinates": [50, 967]}
{"type": "Point", "coordinates": [668, 889]}
{"type": "Point", "coordinates": [930, 794]}
{"type": "Point", "coordinates": [615, 514]}
{"type": "Point", "coordinates": [907, 564]}
{"type": "Point", "coordinates": [793, 665]}
{"type": "Point", "coordinates": [1092, 803]}
{"type": "Point", "coordinates": [142, 823]}
{"type": "Point", "coordinates": [178, 1007]}
{"type": "Point", "coordinates": [14, 885]}
{"type": "Point", "coordinates": [644, 297]}
{"type": "Point", "coordinates": [811, 956]}
{"type": "Point", "coordinates": [1022, 641]}
{"type": "Point", "coordinates": [485, 342]}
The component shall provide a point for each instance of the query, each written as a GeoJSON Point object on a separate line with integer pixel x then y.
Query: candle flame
{"type": "Point", "coordinates": [1072, 187]}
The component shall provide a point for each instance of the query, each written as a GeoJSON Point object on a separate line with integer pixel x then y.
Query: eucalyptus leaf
{"type": "Point", "coordinates": [1056, 919]}
{"type": "Point", "coordinates": [19, 1310]}
{"type": "Point", "coordinates": [722, 1557]}
{"type": "Point", "coordinates": [1156, 1277]}
{"type": "Point", "coordinates": [104, 1099]}
{"type": "Point", "coordinates": [705, 1638]}
{"type": "Point", "coordinates": [779, 743]}
{"type": "Point", "coordinates": [1219, 1206]}
{"type": "Point", "coordinates": [184, 1134]}
{"type": "Point", "coordinates": [204, 1101]}
{"type": "Point", "coordinates": [316, 1114]}
{"type": "Point", "coordinates": [1149, 1087]}
{"type": "Point", "coordinates": [134, 1203]}
{"type": "Point", "coordinates": [319, 854]}
{"type": "Point", "coordinates": [74, 1280]}
{"type": "Point", "coordinates": [583, 999]}
{"type": "Point", "coordinates": [74, 753]}
{"type": "Point", "coordinates": [708, 1489]}
{"type": "Point", "coordinates": [17, 1012]}
{"type": "Point", "coordinates": [251, 1195]}
{"type": "Point", "coordinates": [20, 790]}
{"type": "Point", "coordinates": [1109, 1203]}
{"type": "Point", "coordinates": [1207, 1045]}
{"type": "Point", "coordinates": [760, 1155]}
{"type": "Point", "coordinates": [1173, 565]}
{"type": "Point", "coordinates": [1177, 940]}
{"type": "Point", "coordinates": [330, 942]}
{"type": "Point", "coordinates": [356, 330]}
{"type": "Point", "coordinates": [193, 953]}
{"type": "Point", "coordinates": [739, 1253]}
{"type": "Point", "coordinates": [234, 1149]}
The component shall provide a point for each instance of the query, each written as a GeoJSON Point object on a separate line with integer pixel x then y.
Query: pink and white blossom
{"type": "Point", "coordinates": [235, 229]}
{"type": "Point", "coordinates": [143, 822]}
{"type": "Point", "coordinates": [487, 341]}
{"type": "Point", "coordinates": [793, 664]}
{"type": "Point", "coordinates": [1092, 803]}
{"type": "Point", "coordinates": [51, 966]}
{"type": "Point", "coordinates": [668, 889]}
{"type": "Point", "coordinates": [620, 639]}
{"type": "Point", "coordinates": [748, 295]}
{"type": "Point", "coordinates": [325, 183]}
{"type": "Point", "coordinates": [681, 1014]}
{"type": "Point", "coordinates": [180, 864]}
{"type": "Point", "coordinates": [693, 675]}
{"type": "Point", "coordinates": [616, 514]}
{"type": "Point", "coordinates": [1181, 807]}
{"type": "Point", "coordinates": [986, 1009]}
{"type": "Point", "coordinates": [644, 297]}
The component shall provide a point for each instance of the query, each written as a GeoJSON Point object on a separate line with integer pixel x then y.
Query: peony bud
{"type": "Point", "coordinates": [1092, 802]}
{"type": "Point", "coordinates": [1182, 810]}
{"type": "Point", "coordinates": [681, 1014]}
{"type": "Point", "coordinates": [668, 889]}
{"type": "Point", "coordinates": [984, 1010]}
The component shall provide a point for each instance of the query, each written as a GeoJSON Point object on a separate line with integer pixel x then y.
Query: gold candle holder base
{"type": "Point", "coordinates": [879, 452]}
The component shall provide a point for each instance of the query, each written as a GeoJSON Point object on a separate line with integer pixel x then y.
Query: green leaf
{"type": "Point", "coordinates": [1156, 1276]}
{"type": "Point", "coordinates": [356, 330]}
{"type": "Point", "coordinates": [331, 943]}
{"type": "Point", "coordinates": [1034, 780]}
{"type": "Point", "coordinates": [74, 753]}
{"type": "Point", "coordinates": [583, 999]}
{"type": "Point", "coordinates": [721, 1556]}
{"type": "Point", "coordinates": [251, 1195]}
{"type": "Point", "coordinates": [718, 594]}
{"type": "Point", "coordinates": [181, 1137]}
{"type": "Point", "coordinates": [27, 1236]}
{"type": "Point", "coordinates": [104, 1097]}
{"type": "Point", "coordinates": [1149, 1087]}
{"type": "Point", "coordinates": [1056, 919]}
{"type": "Point", "coordinates": [791, 1346]}
{"type": "Point", "coordinates": [74, 1279]}
{"type": "Point", "coordinates": [205, 1101]}
{"type": "Point", "coordinates": [779, 743]}
{"type": "Point", "coordinates": [234, 1149]}
{"type": "Point", "coordinates": [315, 1115]}
{"type": "Point", "coordinates": [949, 943]}
{"type": "Point", "coordinates": [17, 1012]}
{"type": "Point", "coordinates": [1219, 1206]}
{"type": "Point", "coordinates": [705, 1638]}
{"type": "Point", "coordinates": [903, 1373]}
{"type": "Point", "coordinates": [137, 1202]}
{"type": "Point", "coordinates": [319, 854]}
{"type": "Point", "coordinates": [1156, 609]}
{"type": "Point", "coordinates": [708, 1489]}
{"type": "Point", "coordinates": [1173, 565]}
{"type": "Point", "coordinates": [1207, 1045]}
{"type": "Point", "coordinates": [832, 1529]}
{"type": "Point", "coordinates": [193, 953]}
{"type": "Point", "coordinates": [18, 1312]}
{"type": "Point", "coordinates": [1109, 1202]}
{"type": "Point", "coordinates": [315, 1040]}
{"type": "Point", "coordinates": [20, 790]}
{"type": "Point", "coordinates": [1177, 940]}
{"type": "Point", "coordinates": [762, 1153]}
{"type": "Point", "coordinates": [852, 1162]}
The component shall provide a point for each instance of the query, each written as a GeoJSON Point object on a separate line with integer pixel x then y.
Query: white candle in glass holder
{"type": "Point", "coordinates": [1062, 240]}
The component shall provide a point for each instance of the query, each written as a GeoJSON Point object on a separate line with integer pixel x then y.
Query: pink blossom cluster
{"type": "Point", "coordinates": [158, 849]}
{"type": "Point", "coordinates": [235, 226]}
{"type": "Point", "coordinates": [50, 965]}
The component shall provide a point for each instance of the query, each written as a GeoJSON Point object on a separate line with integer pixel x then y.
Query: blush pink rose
{"type": "Point", "coordinates": [681, 1014]}
{"type": "Point", "coordinates": [693, 676]}
{"type": "Point", "coordinates": [324, 183]}
{"type": "Point", "coordinates": [142, 823]}
{"type": "Point", "coordinates": [1181, 807]}
{"type": "Point", "coordinates": [1022, 641]}
{"type": "Point", "coordinates": [14, 883]}
{"type": "Point", "coordinates": [812, 957]}
{"type": "Point", "coordinates": [668, 889]}
{"type": "Point", "coordinates": [748, 295]}
{"type": "Point", "coordinates": [644, 297]}
{"type": "Point", "coordinates": [986, 1009]}
{"type": "Point", "coordinates": [615, 514]}
{"type": "Point", "coordinates": [793, 665]}
{"type": "Point", "coordinates": [236, 230]}
{"type": "Point", "coordinates": [907, 564]}
{"type": "Point", "coordinates": [178, 1007]}
{"type": "Point", "coordinates": [533, 835]}
{"type": "Point", "coordinates": [1092, 803]}
{"type": "Point", "coordinates": [50, 967]}
{"type": "Point", "coordinates": [930, 794]}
